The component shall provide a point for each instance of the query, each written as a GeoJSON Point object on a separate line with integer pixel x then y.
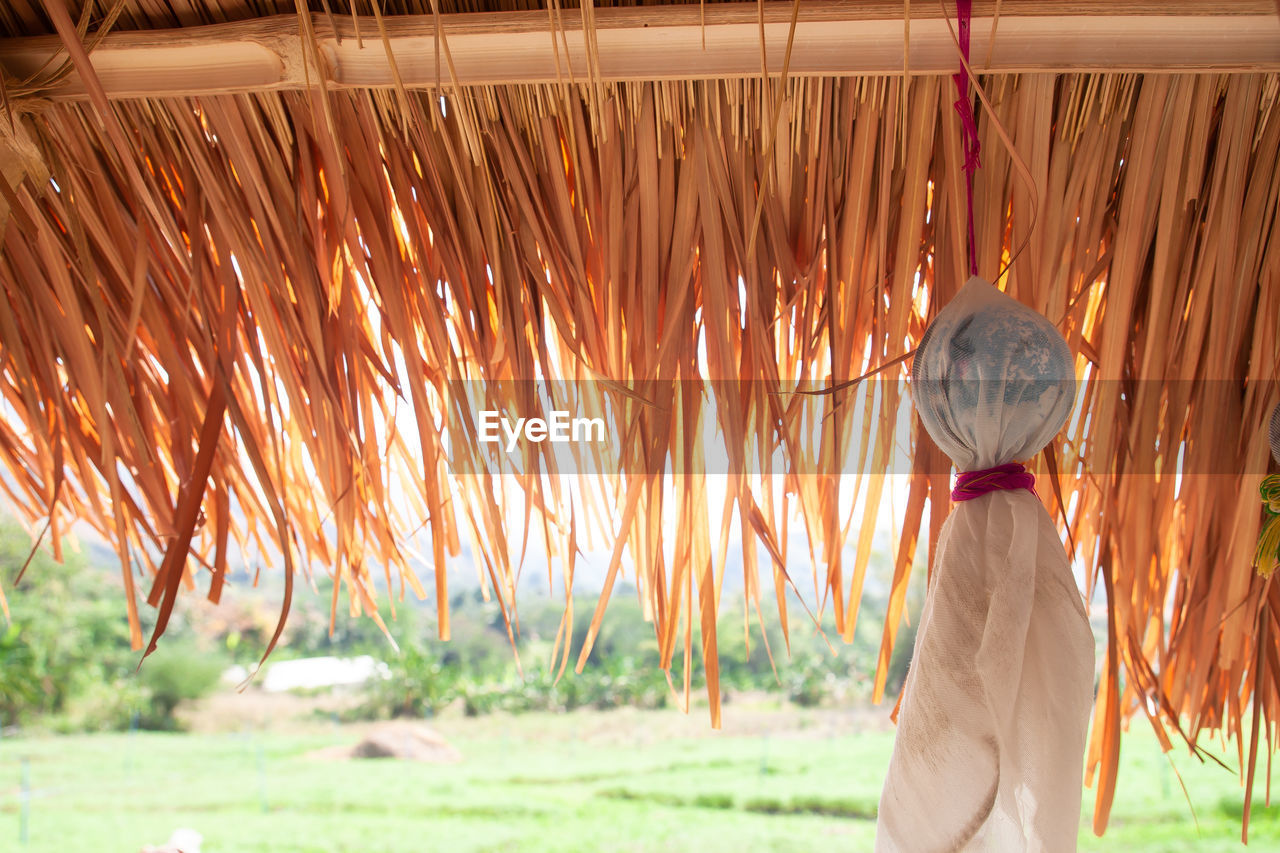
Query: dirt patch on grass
{"type": "Point", "coordinates": [399, 740]}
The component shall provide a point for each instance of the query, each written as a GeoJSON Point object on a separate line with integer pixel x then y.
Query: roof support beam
{"type": "Point", "coordinates": [19, 158]}
{"type": "Point", "coordinates": [685, 42]}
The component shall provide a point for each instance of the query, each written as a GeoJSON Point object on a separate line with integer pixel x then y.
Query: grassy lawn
{"type": "Point", "coordinates": [586, 781]}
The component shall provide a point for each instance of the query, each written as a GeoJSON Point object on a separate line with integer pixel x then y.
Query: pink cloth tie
{"type": "Point", "coordinates": [975, 484]}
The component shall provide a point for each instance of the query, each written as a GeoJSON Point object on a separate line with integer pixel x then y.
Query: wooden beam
{"type": "Point", "coordinates": [20, 158]}
{"type": "Point", "coordinates": [665, 43]}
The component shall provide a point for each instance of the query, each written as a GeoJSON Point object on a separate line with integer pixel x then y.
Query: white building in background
{"type": "Point", "coordinates": [313, 673]}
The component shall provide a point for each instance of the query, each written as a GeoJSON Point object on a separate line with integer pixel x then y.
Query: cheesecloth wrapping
{"type": "Point", "coordinates": [991, 734]}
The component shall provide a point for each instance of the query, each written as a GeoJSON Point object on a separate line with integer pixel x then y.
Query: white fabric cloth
{"type": "Point", "coordinates": [989, 753]}
{"type": "Point", "coordinates": [990, 746]}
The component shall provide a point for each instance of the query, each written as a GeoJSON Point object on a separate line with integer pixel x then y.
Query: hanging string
{"type": "Point", "coordinates": [969, 137]}
{"type": "Point", "coordinates": [1019, 164]}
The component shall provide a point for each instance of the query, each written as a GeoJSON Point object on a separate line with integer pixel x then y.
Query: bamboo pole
{"type": "Point", "coordinates": [841, 38]}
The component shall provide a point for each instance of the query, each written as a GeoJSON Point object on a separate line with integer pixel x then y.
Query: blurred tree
{"type": "Point", "coordinates": [176, 672]}
{"type": "Point", "coordinates": [65, 630]}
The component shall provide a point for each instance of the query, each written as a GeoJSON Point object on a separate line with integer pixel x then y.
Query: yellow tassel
{"type": "Point", "coordinates": [1267, 558]}
{"type": "Point", "coordinates": [1270, 491]}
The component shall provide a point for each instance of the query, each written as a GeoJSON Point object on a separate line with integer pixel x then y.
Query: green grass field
{"type": "Point", "coordinates": [586, 781]}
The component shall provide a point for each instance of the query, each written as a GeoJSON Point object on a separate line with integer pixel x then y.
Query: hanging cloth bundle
{"type": "Point", "coordinates": [990, 746]}
{"type": "Point", "coordinates": [1267, 558]}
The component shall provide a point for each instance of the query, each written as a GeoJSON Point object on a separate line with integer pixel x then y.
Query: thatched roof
{"type": "Point", "coordinates": [239, 295]}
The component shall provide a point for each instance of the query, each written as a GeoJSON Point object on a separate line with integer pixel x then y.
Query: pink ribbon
{"type": "Point", "coordinates": [969, 138]}
{"type": "Point", "coordinates": [975, 484]}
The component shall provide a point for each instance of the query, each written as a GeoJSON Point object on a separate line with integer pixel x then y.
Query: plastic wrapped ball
{"type": "Point", "coordinates": [992, 379]}
{"type": "Point", "coordinates": [1275, 434]}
